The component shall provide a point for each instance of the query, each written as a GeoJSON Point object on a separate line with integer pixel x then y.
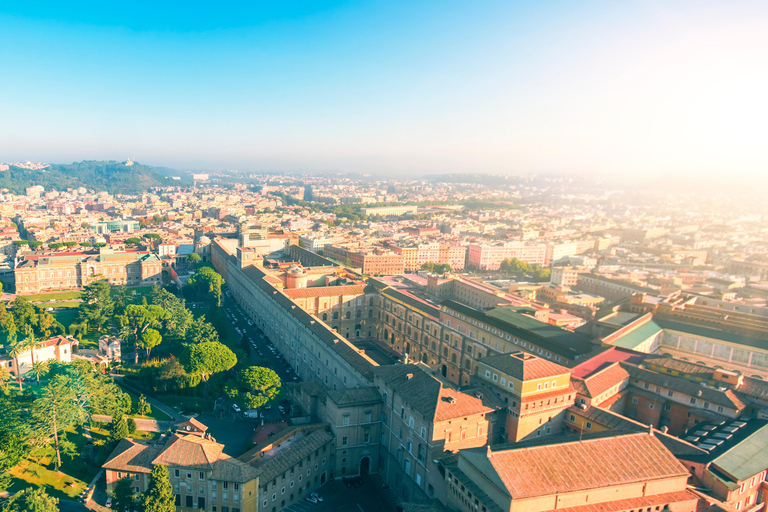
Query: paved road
{"type": "Point", "coordinates": [141, 423]}
{"type": "Point", "coordinates": [339, 498]}
{"type": "Point", "coordinates": [154, 402]}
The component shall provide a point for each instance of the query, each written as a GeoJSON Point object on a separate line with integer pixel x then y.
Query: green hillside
{"type": "Point", "coordinates": [112, 176]}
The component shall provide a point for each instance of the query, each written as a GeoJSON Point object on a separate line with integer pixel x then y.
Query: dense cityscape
{"type": "Point", "coordinates": [262, 342]}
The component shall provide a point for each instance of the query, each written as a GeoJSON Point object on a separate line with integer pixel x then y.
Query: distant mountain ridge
{"type": "Point", "coordinates": [113, 176]}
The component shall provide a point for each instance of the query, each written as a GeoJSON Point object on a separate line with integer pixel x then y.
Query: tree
{"type": "Point", "coordinates": [97, 306]}
{"type": "Point", "coordinates": [118, 429]}
{"type": "Point", "coordinates": [159, 494]}
{"type": "Point", "coordinates": [23, 312]}
{"type": "Point", "coordinates": [70, 244]}
{"type": "Point", "coordinates": [263, 386]}
{"type": "Point", "coordinates": [142, 406]}
{"type": "Point", "coordinates": [100, 244]}
{"type": "Point", "coordinates": [180, 319]}
{"type": "Point", "coordinates": [207, 281]}
{"type": "Point", "coordinates": [39, 368]}
{"type": "Point", "coordinates": [150, 339]}
{"type": "Point", "coordinates": [152, 236]}
{"type": "Point", "coordinates": [31, 342]}
{"type": "Point", "coordinates": [133, 240]}
{"type": "Point", "coordinates": [206, 359]}
{"type": "Point", "coordinates": [194, 258]}
{"type": "Point", "coordinates": [46, 323]}
{"type": "Point", "coordinates": [136, 319]}
{"type": "Point", "coordinates": [515, 266]}
{"type": "Point", "coordinates": [85, 244]}
{"type": "Point", "coordinates": [55, 246]}
{"type": "Point", "coordinates": [31, 500]}
{"type": "Point", "coordinates": [61, 406]}
{"type": "Point", "coordinates": [202, 332]}
{"type": "Point", "coordinates": [15, 348]}
{"type": "Point", "coordinates": [122, 497]}
{"type": "Point", "coordinates": [131, 423]}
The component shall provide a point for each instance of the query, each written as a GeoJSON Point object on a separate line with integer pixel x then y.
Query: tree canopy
{"type": "Point", "coordinates": [437, 268]}
{"type": "Point", "coordinates": [262, 386]}
{"type": "Point", "coordinates": [31, 500]}
{"type": "Point", "coordinates": [206, 359]}
{"type": "Point", "coordinates": [159, 494]}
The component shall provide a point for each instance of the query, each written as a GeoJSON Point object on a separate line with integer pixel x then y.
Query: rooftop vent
{"type": "Point", "coordinates": [409, 376]}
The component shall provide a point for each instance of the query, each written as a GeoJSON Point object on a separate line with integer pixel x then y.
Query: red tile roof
{"type": "Point", "coordinates": [605, 379]}
{"type": "Point", "coordinates": [189, 451]}
{"type": "Point", "coordinates": [588, 464]}
{"type": "Point", "coordinates": [325, 291]}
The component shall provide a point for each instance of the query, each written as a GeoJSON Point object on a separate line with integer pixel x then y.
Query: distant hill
{"type": "Point", "coordinates": [112, 176]}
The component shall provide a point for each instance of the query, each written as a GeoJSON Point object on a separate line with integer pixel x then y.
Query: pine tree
{"type": "Point", "coordinates": [123, 495]}
{"type": "Point", "coordinates": [118, 429]}
{"type": "Point", "coordinates": [159, 494]}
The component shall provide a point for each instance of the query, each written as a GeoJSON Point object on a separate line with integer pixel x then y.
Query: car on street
{"type": "Point", "coordinates": [236, 408]}
{"type": "Point", "coordinates": [108, 504]}
{"type": "Point", "coordinates": [311, 499]}
{"type": "Point", "coordinates": [316, 496]}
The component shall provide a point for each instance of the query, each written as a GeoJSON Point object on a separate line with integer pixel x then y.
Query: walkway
{"type": "Point", "coordinates": [141, 423]}
{"type": "Point", "coordinates": [154, 402]}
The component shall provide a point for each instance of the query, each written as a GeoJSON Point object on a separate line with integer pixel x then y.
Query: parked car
{"type": "Point", "coordinates": [109, 502]}
{"type": "Point", "coordinates": [316, 496]}
{"type": "Point", "coordinates": [311, 499]}
{"type": "Point", "coordinates": [235, 407]}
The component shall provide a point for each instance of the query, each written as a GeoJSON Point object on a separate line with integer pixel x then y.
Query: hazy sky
{"type": "Point", "coordinates": [394, 86]}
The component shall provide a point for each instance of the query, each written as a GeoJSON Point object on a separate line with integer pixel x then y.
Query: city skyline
{"type": "Point", "coordinates": [635, 89]}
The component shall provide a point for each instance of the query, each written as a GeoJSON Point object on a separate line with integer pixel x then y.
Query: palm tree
{"type": "Point", "coordinates": [15, 349]}
{"type": "Point", "coordinates": [31, 342]}
{"type": "Point", "coordinates": [39, 368]}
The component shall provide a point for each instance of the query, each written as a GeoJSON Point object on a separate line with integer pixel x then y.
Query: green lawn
{"type": "Point", "coordinates": [154, 414]}
{"type": "Point", "coordinates": [54, 296]}
{"type": "Point", "coordinates": [77, 470]}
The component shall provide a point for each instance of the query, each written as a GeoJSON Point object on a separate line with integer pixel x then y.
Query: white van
{"type": "Point", "coordinates": [251, 413]}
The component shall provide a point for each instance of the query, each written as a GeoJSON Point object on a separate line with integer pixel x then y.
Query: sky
{"type": "Point", "coordinates": [629, 89]}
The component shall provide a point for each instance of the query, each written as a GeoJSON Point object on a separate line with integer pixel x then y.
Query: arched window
{"type": "Point", "coordinates": [348, 315]}
{"type": "Point", "coordinates": [453, 358]}
{"type": "Point", "coordinates": [335, 315]}
{"type": "Point", "coordinates": [370, 313]}
{"type": "Point", "coordinates": [325, 317]}
{"type": "Point", "coordinates": [386, 334]}
{"type": "Point", "coordinates": [358, 313]}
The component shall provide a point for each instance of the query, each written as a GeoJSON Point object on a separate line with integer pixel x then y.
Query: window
{"type": "Point", "coordinates": [487, 373]}
{"type": "Point", "coordinates": [634, 400]}
{"type": "Point", "coordinates": [511, 385]}
{"type": "Point", "coordinates": [367, 416]}
{"type": "Point", "coordinates": [201, 476]}
{"type": "Point", "coordinates": [589, 425]}
{"type": "Point", "coordinates": [345, 419]}
{"type": "Point", "coordinates": [176, 473]}
{"type": "Point", "coordinates": [344, 441]}
{"type": "Point", "coordinates": [495, 377]}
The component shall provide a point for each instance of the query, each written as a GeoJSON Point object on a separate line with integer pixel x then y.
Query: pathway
{"type": "Point", "coordinates": [144, 424]}
{"type": "Point", "coordinates": [154, 402]}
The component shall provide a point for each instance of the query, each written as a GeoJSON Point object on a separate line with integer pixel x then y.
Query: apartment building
{"type": "Point", "coordinates": [489, 256]}
{"type": "Point", "coordinates": [371, 261]}
{"type": "Point", "coordinates": [317, 241]}
{"type": "Point", "coordinates": [421, 419]}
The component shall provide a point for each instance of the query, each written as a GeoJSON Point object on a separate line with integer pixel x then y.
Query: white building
{"type": "Point", "coordinates": [58, 348]}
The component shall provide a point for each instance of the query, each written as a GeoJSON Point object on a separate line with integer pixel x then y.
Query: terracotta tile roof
{"type": "Point", "coordinates": [524, 366]}
{"type": "Point", "coordinates": [268, 468]}
{"type": "Point", "coordinates": [352, 396]}
{"type": "Point", "coordinates": [325, 291]}
{"type": "Point", "coordinates": [132, 456]}
{"type": "Point", "coordinates": [686, 387]}
{"type": "Point", "coordinates": [233, 470]}
{"type": "Point", "coordinates": [643, 502]}
{"type": "Point", "coordinates": [426, 394]}
{"type": "Point", "coordinates": [189, 451]}
{"type": "Point", "coordinates": [193, 423]}
{"type": "Point", "coordinates": [586, 464]}
{"type": "Point", "coordinates": [605, 379]}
